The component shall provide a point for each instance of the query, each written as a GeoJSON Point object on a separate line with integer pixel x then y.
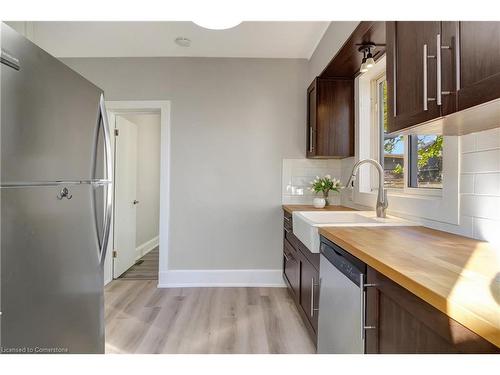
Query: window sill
{"type": "Point", "coordinates": [411, 193]}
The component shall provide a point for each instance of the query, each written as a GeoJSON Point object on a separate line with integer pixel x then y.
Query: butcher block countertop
{"type": "Point", "coordinates": [457, 275]}
{"type": "Point", "coordinates": [307, 207]}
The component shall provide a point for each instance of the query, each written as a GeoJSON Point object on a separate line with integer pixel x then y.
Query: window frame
{"type": "Point", "coordinates": [378, 149]}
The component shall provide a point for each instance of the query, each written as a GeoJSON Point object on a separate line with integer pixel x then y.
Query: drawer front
{"type": "Point", "coordinates": [313, 258]}
{"type": "Point", "coordinates": [291, 267]}
{"type": "Point", "coordinates": [287, 221]}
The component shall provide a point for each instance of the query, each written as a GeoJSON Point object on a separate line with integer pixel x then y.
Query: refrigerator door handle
{"type": "Point", "coordinates": [108, 201]}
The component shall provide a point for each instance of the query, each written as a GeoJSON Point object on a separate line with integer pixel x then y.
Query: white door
{"type": "Point", "coordinates": [125, 195]}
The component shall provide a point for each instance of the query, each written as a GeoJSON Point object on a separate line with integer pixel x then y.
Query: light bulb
{"type": "Point", "coordinates": [363, 68]}
{"type": "Point", "coordinates": [369, 61]}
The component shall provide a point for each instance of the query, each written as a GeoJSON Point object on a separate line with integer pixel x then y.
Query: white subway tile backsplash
{"type": "Point", "coordinates": [467, 184]}
{"type": "Point", "coordinates": [310, 172]}
{"type": "Point", "coordinates": [480, 184]}
{"type": "Point", "coordinates": [301, 180]}
{"type": "Point", "coordinates": [468, 142]}
{"type": "Point", "coordinates": [487, 183]}
{"type": "Point", "coordinates": [483, 206]}
{"type": "Point", "coordinates": [481, 161]}
{"type": "Point", "coordinates": [486, 230]}
{"type": "Point", "coordinates": [488, 139]}
{"type": "Point", "coordinates": [297, 175]}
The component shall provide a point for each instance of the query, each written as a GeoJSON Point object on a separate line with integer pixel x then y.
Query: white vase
{"type": "Point", "coordinates": [319, 202]}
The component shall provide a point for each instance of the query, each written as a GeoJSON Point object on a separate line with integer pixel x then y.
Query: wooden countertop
{"type": "Point", "coordinates": [307, 207]}
{"type": "Point", "coordinates": [457, 275]}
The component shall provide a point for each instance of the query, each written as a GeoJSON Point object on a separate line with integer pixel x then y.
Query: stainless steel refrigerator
{"type": "Point", "coordinates": [56, 197]}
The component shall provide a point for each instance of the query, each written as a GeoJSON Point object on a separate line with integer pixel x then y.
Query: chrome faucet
{"type": "Point", "coordinates": [382, 203]}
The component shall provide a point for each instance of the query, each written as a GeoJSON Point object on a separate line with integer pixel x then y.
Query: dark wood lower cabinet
{"type": "Point", "coordinates": [309, 292]}
{"type": "Point", "coordinates": [405, 323]}
{"type": "Point", "coordinates": [301, 275]}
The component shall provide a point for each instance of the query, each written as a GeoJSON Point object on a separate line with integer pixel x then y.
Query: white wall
{"type": "Point", "coordinates": [148, 176]}
{"type": "Point", "coordinates": [233, 122]}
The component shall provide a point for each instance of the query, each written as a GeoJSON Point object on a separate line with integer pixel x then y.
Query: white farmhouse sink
{"type": "Point", "coordinates": [306, 224]}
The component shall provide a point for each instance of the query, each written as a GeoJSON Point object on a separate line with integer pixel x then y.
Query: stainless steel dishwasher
{"type": "Point", "coordinates": [341, 325]}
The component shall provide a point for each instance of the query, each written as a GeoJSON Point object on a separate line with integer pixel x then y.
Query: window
{"type": "Point", "coordinates": [424, 153]}
{"type": "Point", "coordinates": [392, 148]}
{"type": "Point", "coordinates": [425, 161]}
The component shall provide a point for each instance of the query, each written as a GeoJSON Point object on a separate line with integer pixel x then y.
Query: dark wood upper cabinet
{"type": "Point", "coordinates": [411, 79]}
{"type": "Point", "coordinates": [479, 63]}
{"type": "Point", "coordinates": [330, 118]}
{"type": "Point", "coordinates": [462, 70]}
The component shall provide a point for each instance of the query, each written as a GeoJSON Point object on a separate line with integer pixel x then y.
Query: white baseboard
{"type": "Point", "coordinates": [146, 247]}
{"type": "Point", "coordinates": [220, 278]}
{"type": "Point", "coordinates": [107, 281]}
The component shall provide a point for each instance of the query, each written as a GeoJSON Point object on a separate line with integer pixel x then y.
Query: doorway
{"type": "Point", "coordinates": [137, 195]}
{"type": "Point", "coordinates": [140, 219]}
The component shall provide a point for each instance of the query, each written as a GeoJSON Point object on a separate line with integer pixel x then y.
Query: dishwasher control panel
{"type": "Point", "coordinates": [346, 263]}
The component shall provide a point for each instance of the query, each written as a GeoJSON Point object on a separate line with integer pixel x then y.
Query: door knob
{"type": "Point", "coordinates": [135, 201]}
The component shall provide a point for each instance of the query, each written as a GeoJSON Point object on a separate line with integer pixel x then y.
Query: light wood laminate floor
{"type": "Point", "coordinates": [145, 268]}
{"type": "Point", "coordinates": [141, 318]}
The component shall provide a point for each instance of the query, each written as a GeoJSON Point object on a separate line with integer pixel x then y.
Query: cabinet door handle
{"type": "Point", "coordinates": [439, 89]}
{"type": "Point", "coordinates": [425, 77]}
{"type": "Point", "coordinates": [457, 62]}
{"type": "Point", "coordinates": [438, 69]}
{"type": "Point", "coordinates": [312, 297]}
{"type": "Point", "coordinates": [286, 256]}
{"type": "Point", "coordinates": [363, 305]}
{"type": "Point", "coordinates": [426, 99]}
{"type": "Point", "coordinates": [311, 139]}
{"type": "Point", "coordinates": [362, 287]}
{"type": "Point", "coordinates": [394, 82]}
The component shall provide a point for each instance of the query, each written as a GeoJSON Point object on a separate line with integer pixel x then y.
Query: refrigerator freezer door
{"type": "Point", "coordinates": [51, 279]}
{"type": "Point", "coordinates": [49, 116]}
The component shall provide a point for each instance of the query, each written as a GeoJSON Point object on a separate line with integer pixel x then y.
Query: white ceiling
{"type": "Point", "coordinates": [133, 39]}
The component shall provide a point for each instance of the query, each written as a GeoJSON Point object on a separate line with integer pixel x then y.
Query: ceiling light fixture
{"type": "Point", "coordinates": [364, 67]}
{"type": "Point", "coordinates": [368, 61]}
{"type": "Point", "coordinates": [217, 24]}
{"type": "Point", "coordinates": [183, 42]}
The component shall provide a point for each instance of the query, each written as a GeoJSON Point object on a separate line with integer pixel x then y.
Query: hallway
{"type": "Point", "coordinates": [145, 268]}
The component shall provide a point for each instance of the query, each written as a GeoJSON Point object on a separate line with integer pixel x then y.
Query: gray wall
{"type": "Point", "coordinates": [148, 175]}
{"type": "Point", "coordinates": [233, 121]}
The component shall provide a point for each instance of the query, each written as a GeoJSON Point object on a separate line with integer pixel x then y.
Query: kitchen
{"type": "Point", "coordinates": [352, 173]}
